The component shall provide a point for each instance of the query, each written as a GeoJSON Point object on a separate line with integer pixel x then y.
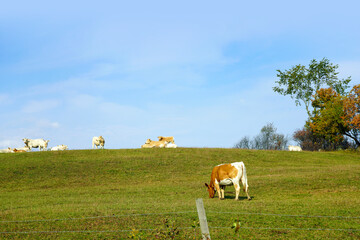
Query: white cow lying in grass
{"type": "Point", "coordinates": [26, 148]}
{"type": "Point", "coordinates": [170, 145]}
{"type": "Point", "coordinates": [98, 141]}
{"type": "Point", "coordinates": [36, 143]}
{"type": "Point", "coordinates": [61, 147]}
{"type": "Point", "coordinates": [294, 148]}
{"type": "Point", "coordinates": [7, 150]}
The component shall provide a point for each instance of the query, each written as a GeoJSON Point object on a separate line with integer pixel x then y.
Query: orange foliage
{"type": "Point", "coordinates": [352, 108]}
{"type": "Point", "coordinates": [335, 115]}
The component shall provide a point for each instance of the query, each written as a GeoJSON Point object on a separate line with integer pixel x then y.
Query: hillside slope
{"type": "Point", "coordinates": [96, 192]}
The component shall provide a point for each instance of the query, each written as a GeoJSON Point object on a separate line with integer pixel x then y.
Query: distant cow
{"type": "Point", "coordinates": [61, 147]}
{"type": "Point", "coordinates": [146, 145]}
{"type": "Point", "coordinates": [167, 139]}
{"type": "Point", "coordinates": [7, 150]}
{"type": "Point", "coordinates": [98, 141]}
{"type": "Point", "coordinates": [154, 144]}
{"type": "Point", "coordinates": [26, 148]}
{"type": "Point", "coordinates": [18, 150]}
{"type": "Point", "coordinates": [36, 143]}
{"type": "Point", "coordinates": [170, 145]}
{"type": "Point", "coordinates": [294, 148]}
{"type": "Point", "coordinates": [228, 174]}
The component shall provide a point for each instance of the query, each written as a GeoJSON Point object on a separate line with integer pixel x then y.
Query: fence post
{"type": "Point", "coordinates": [202, 219]}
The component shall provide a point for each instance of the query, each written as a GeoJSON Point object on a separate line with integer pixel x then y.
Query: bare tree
{"type": "Point", "coordinates": [245, 143]}
{"type": "Point", "coordinates": [268, 139]}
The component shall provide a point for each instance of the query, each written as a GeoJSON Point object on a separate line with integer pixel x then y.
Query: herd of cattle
{"type": "Point", "coordinates": [164, 142]}
{"type": "Point", "coordinates": [222, 175]}
{"type": "Point", "coordinates": [34, 143]}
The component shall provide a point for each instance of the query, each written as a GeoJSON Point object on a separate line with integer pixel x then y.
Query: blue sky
{"type": "Point", "coordinates": [201, 71]}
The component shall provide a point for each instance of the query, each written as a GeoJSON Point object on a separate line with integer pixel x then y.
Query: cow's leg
{"type": "Point", "coordinates": [218, 190]}
{"type": "Point", "coordinates": [246, 189]}
{"type": "Point", "coordinates": [222, 191]}
{"type": "Point", "coordinates": [237, 190]}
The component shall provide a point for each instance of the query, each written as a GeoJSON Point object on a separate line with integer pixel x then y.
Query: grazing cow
{"type": "Point", "coordinates": [170, 145]}
{"type": "Point", "coordinates": [294, 148]}
{"type": "Point", "coordinates": [228, 174]}
{"type": "Point", "coordinates": [167, 139]}
{"type": "Point", "coordinates": [18, 150]}
{"type": "Point", "coordinates": [61, 147]}
{"type": "Point", "coordinates": [154, 144]}
{"type": "Point", "coordinates": [98, 141]}
{"type": "Point", "coordinates": [7, 150]}
{"type": "Point", "coordinates": [36, 143]}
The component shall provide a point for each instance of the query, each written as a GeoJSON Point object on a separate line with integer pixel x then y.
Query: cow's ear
{"type": "Point", "coordinates": [206, 185]}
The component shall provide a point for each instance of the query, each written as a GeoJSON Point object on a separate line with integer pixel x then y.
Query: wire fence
{"type": "Point", "coordinates": [179, 228]}
{"type": "Point", "coordinates": [95, 217]}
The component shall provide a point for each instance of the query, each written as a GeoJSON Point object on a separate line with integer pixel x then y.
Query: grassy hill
{"type": "Point", "coordinates": [151, 193]}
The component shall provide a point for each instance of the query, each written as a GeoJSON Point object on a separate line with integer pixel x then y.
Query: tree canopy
{"type": "Point", "coordinates": [301, 82]}
{"type": "Point", "coordinates": [336, 116]}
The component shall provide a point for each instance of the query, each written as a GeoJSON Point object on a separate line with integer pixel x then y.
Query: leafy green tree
{"type": "Point", "coordinates": [301, 82]}
{"type": "Point", "coordinates": [327, 119]}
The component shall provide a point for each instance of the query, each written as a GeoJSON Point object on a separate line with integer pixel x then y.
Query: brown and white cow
{"type": "Point", "coordinates": [18, 150]}
{"type": "Point", "coordinates": [228, 174]}
{"type": "Point", "coordinates": [98, 141]}
{"type": "Point", "coordinates": [166, 139]}
{"type": "Point", "coordinates": [154, 144]}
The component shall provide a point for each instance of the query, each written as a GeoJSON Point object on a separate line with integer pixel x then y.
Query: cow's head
{"type": "Point", "coordinates": [26, 141]}
{"type": "Point", "coordinates": [211, 190]}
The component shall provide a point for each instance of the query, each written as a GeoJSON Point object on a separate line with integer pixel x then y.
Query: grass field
{"type": "Point", "coordinates": [151, 193]}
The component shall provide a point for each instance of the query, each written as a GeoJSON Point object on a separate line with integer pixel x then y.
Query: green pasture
{"type": "Point", "coordinates": [151, 193]}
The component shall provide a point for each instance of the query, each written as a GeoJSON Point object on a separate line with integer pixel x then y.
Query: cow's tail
{"type": "Point", "coordinates": [244, 178]}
